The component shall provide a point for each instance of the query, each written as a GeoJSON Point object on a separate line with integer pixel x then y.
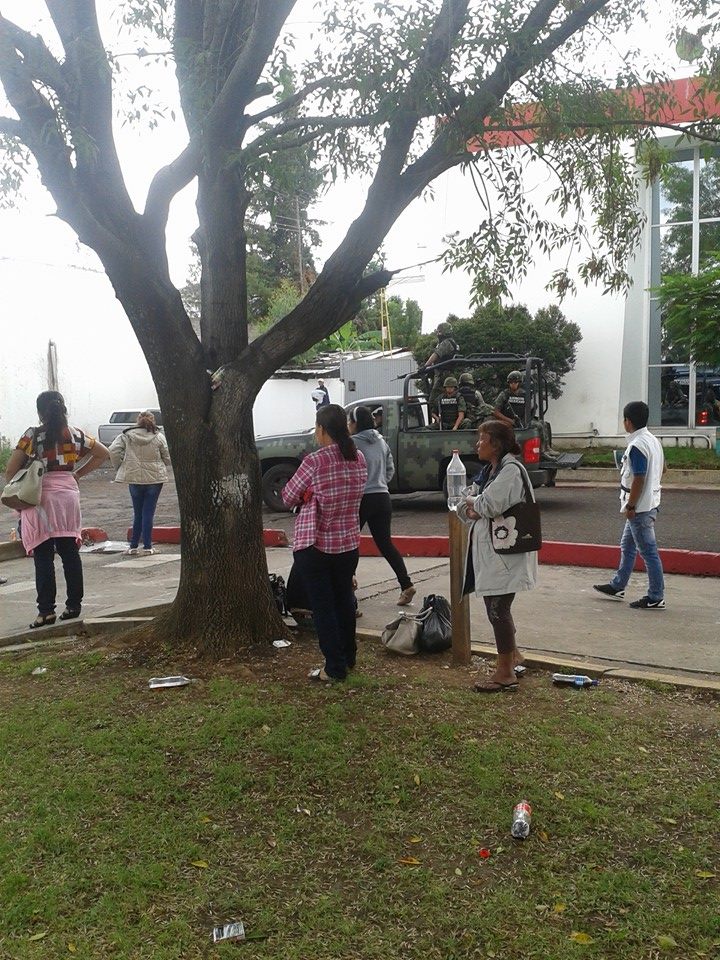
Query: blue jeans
{"type": "Point", "coordinates": [639, 535]}
{"type": "Point", "coordinates": [144, 500]}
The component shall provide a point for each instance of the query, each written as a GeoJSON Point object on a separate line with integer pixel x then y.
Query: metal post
{"type": "Point", "coordinates": [459, 605]}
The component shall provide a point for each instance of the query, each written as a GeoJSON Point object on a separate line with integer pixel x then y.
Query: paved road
{"type": "Point", "coordinates": [690, 519]}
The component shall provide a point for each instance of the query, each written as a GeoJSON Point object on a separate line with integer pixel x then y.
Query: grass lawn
{"type": "Point", "coordinates": [346, 822]}
{"type": "Point", "coordinates": [680, 458]}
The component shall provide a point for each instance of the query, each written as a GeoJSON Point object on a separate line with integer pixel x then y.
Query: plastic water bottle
{"type": "Point", "coordinates": [574, 680]}
{"type": "Point", "coordinates": [456, 480]}
{"type": "Point", "coordinates": [521, 817]}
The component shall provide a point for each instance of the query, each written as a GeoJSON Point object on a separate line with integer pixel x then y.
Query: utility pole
{"type": "Point", "coordinates": [298, 227]}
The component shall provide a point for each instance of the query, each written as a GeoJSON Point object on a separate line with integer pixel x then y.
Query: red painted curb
{"type": "Point", "coordinates": [689, 562]}
{"type": "Point", "coordinates": [94, 534]}
{"type": "Point", "coordinates": [271, 538]}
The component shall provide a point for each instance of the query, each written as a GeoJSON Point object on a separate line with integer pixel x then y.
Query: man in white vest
{"type": "Point", "coordinates": [641, 469]}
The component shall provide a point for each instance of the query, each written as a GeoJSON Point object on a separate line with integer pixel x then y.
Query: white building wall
{"type": "Point", "coordinates": [101, 367]}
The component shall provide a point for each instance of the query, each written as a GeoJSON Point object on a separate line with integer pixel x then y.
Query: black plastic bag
{"type": "Point", "coordinates": [277, 585]}
{"type": "Point", "coordinates": [436, 634]}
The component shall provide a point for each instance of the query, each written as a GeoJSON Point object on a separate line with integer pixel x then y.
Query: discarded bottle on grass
{"type": "Point", "coordinates": [521, 817]}
{"type": "Point", "coordinates": [456, 480]}
{"type": "Point", "coordinates": [574, 680]}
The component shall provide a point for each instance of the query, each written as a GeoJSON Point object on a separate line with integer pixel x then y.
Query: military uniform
{"type": "Point", "coordinates": [511, 404]}
{"type": "Point", "coordinates": [448, 409]}
{"type": "Point", "coordinates": [477, 409]}
{"type": "Point", "coordinates": [445, 349]}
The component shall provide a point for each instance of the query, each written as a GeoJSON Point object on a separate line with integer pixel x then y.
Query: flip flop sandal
{"type": "Point", "coordinates": [494, 686]}
{"type": "Point", "coordinates": [69, 614]}
{"type": "Point", "coordinates": [43, 621]}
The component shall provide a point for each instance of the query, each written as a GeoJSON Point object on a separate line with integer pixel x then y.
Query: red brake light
{"type": "Point", "coordinates": [703, 418]}
{"type": "Point", "coordinates": [531, 450]}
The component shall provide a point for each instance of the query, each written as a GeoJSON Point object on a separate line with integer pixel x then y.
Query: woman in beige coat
{"type": "Point", "coordinates": [140, 455]}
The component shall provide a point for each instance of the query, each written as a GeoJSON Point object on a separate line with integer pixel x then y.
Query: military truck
{"type": "Point", "coordinates": [422, 452]}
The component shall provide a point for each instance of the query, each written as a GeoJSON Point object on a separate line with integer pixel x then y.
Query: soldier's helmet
{"type": "Point", "coordinates": [467, 378]}
{"type": "Point", "coordinates": [444, 330]}
{"type": "Point", "coordinates": [450, 382]}
{"type": "Point", "coordinates": [515, 376]}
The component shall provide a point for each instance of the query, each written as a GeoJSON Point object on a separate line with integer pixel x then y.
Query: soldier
{"type": "Point", "coordinates": [451, 407]}
{"type": "Point", "coordinates": [477, 409]}
{"type": "Point", "coordinates": [445, 349]}
{"type": "Point", "coordinates": [510, 403]}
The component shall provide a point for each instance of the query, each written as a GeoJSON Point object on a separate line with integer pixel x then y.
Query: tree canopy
{"type": "Point", "coordinates": [691, 312]}
{"type": "Point", "coordinates": [513, 329]}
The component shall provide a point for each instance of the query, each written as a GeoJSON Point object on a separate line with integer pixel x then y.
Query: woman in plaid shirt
{"type": "Point", "coordinates": [327, 488]}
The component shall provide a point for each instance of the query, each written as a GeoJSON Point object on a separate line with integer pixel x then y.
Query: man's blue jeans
{"type": "Point", "coordinates": [639, 535]}
{"type": "Point", "coordinates": [144, 498]}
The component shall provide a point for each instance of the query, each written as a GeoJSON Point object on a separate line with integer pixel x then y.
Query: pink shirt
{"type": "Point", "coordinates": [330, 489]}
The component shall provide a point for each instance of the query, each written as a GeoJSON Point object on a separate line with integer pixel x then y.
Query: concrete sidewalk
{"type": "Point", "coordinates": [561, 620]}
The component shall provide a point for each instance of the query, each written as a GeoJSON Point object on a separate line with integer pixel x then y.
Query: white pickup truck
{"type": "Point", "coordinates": [122, 420]}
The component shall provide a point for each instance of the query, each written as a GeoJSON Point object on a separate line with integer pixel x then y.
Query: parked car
{"type": "Point", "coordinates": [421, 453]}
{"type": "Point", "coordinates": [123, 420]}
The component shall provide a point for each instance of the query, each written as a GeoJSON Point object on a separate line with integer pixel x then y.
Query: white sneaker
{"type": "Point", "coordinates": [149, 552]}
{"type": "Point", "coordinates": [131, 552]}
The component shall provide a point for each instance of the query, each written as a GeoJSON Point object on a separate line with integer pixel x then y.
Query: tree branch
{"type": "Point", "coordinates": [289, 102]}
{"type": "Point", "coordinates": [167, 183]}
{"type": "Point", "coordinates": [11, 128]}
{"type": "Point", "coordinates": [325, 123]}
{"type": "Point", "coordinates": [326, 307]}
{"type": "Point", "coordinates": [236, 93]}
{"type": "Point", "coordinates": [36, 56]}
{"type": "Point", "coordinates": [88, 102]}
{"type": "Point", "coordinates": [521, 56]}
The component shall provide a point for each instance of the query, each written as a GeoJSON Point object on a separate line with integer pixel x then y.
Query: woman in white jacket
{"type": "Point", "coordinates": [497, 578]}
{"type": "Point", "coordinates": [140, 455]}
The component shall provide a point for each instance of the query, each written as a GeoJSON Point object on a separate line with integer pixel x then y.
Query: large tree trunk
{"type": "Point", "coordinates": [223, 602]}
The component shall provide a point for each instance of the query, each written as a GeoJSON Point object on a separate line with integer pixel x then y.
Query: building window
{"type": "Point", "coordinates": [685, 232]}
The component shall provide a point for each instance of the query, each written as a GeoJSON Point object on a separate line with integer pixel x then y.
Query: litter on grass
{"type": "Point", "coordinates": [229, 931]}
{"type": "Point", "coordinates": [158, 683]}
{"type": "Point", "coordinates": [38, 671]}
{"type": "Point", "coordinates": [281, 643]}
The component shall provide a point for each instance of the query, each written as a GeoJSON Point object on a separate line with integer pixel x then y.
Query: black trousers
{"type": "Point", "coordinates": [376, 511]}
{"type": "Point", "coordinates": [327, 578]}
{"type": "Point", "coordinates": [44, 559]}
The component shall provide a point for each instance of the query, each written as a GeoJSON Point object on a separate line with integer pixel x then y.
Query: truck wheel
{"type": "Point", "coordinates": [273, 480]}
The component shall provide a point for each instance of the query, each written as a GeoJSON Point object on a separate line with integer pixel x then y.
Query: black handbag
{"type": "Point", "coordinates": [517, 530]}
{"type": "Point", "coordinates": [436, 634]}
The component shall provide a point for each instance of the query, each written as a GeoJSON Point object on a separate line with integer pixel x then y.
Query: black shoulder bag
{"type": "Point", "coordinates": [518, 529]}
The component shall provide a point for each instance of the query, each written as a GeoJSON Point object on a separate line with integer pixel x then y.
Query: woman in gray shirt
{"type": "Point", "coordinates": [376, 506]}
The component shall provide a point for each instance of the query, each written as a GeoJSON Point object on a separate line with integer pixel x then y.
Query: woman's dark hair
{"type": "Point", "coordinates": [502, 435]}
{"type": "Point", "coordinates": [146, 421]}
{"type": "Point", "coordinates": [53, 415]}
{"type": "Point", "coordinates": [362, 418]}
{"type": "Point", "coordinates": [333, 420]}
